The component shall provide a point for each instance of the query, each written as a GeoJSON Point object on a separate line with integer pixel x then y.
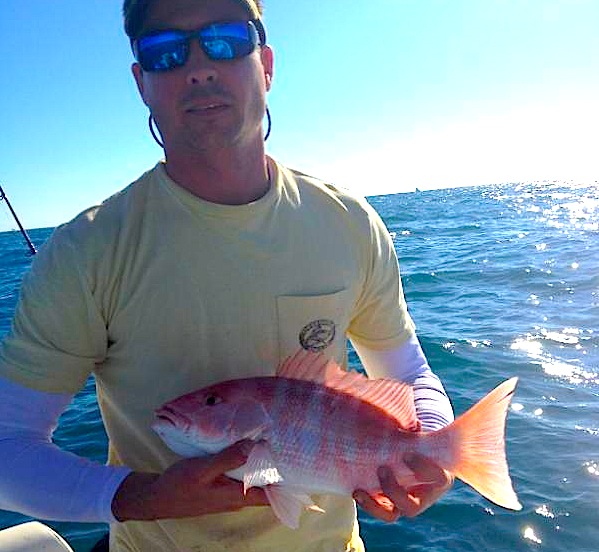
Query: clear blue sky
{"type": "Point", "coordinates": [381, 96]}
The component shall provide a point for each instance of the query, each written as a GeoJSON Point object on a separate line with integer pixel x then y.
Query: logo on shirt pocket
{"type": "Point", "coordinates": [317, 323]}
{"type": "Point", "coordinates": [317, 335]}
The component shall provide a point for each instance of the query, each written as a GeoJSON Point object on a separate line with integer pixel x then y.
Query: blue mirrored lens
{"type": "Point", "coordinates": [228, 40]}
{"type": "Point", "coordinates": [163, 51]}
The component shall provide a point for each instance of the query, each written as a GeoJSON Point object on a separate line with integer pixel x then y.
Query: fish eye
{"type": "Point", "coordinates": [211, 400]}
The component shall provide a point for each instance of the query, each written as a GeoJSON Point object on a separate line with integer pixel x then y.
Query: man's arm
{"type": "Point", "coordinates": [41, 480]}
{"type": "Point", "coordinates": [38, 478]}
{"type": "Point", "coordinates": [407, 363]}
{"type": "Point", "coordinates": [433, 408]}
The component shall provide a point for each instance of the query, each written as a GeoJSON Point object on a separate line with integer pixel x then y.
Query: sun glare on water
{"type": "Point", "coordinates": [534, 346]}
{"type": "Point", "coordinates": [529, 534]}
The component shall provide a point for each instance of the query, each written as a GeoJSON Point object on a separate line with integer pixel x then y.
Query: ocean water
{"type": "Point", "coordinates": [502, 281]}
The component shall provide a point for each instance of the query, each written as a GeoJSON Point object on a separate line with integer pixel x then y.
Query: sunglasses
{"type": "Point", "coordinates": [169, 49]}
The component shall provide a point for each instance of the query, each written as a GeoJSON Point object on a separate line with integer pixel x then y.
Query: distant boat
{"type": "Point", "coordinates": [32, 248]}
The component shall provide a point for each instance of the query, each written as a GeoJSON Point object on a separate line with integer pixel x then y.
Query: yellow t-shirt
{"type": "Point", "coordinates": [158, 293]}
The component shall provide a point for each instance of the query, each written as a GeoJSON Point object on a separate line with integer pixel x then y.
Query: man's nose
{"type": "Point", "coordinates": [200, 68]}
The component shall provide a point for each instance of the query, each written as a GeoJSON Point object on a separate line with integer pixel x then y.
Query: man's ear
{"type": "Point", "coordinates": [267, 57]}
{"type": "Point", "coordinates": [138, 75]}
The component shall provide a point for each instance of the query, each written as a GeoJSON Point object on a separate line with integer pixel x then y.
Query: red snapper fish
{"type": "Point", "coordinates": [319, 429]}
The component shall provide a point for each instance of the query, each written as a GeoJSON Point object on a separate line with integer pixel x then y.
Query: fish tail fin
{"type": "Point", "coordinates": [477, 438]}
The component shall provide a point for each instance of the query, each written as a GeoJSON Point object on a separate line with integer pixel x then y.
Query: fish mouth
{"type": "Point", "coordinates": [166, 419]}
{"type": "Point", "coordinates": [166, 415]}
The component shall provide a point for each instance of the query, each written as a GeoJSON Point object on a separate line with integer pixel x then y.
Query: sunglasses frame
{"type": "Point", "coordinates": [254, 27]}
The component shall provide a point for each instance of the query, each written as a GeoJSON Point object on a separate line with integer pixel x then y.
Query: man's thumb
{"type": "Point", "coordinates": [230, 458]}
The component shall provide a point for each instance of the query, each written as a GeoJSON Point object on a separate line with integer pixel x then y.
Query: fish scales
{"type": "Point", "coordinates": [312, 436]}
{"type": "Point", "coordinates": [338, 454]}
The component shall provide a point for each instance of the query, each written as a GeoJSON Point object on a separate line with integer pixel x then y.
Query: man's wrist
{"type": "Point", "coordinates": [134, 499]}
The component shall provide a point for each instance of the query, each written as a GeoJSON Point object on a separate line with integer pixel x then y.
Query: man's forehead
{"type": "Point", "coordinates": [191, 13]}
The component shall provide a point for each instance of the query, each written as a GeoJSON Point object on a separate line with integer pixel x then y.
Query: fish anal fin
{"type": "Point", "coordinates": [288, 505]}
{"type": "Point", "coordinates": [394, 397]}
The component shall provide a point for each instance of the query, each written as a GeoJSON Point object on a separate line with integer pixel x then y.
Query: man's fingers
{"type": "Point", "coordinates": [435, 481]}
{"type": "Point", "coordinates": [408, 505]}
{"type": "Point", "coordinates": [229, 459]}
{"type": "Point", "coordinates": [381, 509]}
{"type": "Point", "coordinates": [256, 497]}
{"type": "Point", "coordinates": [396, 501]}
{"type": "Point", "coordinates": [389, 483]}
{"type": "Point", "coordinates": [426, 471]}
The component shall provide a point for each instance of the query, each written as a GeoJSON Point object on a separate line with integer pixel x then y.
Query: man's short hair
{"type": "Point", "coordinates": [135, 13]}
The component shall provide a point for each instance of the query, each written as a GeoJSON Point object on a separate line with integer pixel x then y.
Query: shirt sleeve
{"type": "Point", "coordinates": [407, 363]}
{"type": "Point", "coordinates": [381, 320]}
{"type": "Point", "coordinates": [39, 479]}
{"type": "Point", "coordinates": [58, 332]}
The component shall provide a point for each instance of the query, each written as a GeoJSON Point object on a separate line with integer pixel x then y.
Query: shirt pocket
{"type": "Point", "coordinates": [316, 323]}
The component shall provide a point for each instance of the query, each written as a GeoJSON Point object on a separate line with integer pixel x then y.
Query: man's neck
{"type": "Point", "coordinates": [224, 176]}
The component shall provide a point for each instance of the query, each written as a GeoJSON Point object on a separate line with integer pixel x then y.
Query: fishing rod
{"type": "Point", "coordinates": [4, 197]}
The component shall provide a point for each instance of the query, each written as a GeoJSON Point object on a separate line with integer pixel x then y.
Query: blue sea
{"type": "Point", "coordinates": [502, 281]}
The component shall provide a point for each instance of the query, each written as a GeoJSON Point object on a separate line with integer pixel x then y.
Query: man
{"type": "Point", "coordinates": [216, 264]}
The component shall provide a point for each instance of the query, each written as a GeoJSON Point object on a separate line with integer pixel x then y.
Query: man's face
{"type": "Point", "coordinates": [206, 103]}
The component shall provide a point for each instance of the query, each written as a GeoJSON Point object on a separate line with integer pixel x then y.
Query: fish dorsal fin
{"type": "Point", "coordinates": [394, 397]}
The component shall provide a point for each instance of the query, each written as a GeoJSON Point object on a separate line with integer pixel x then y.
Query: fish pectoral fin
{"type": "Point", "coordinates": [251, 420]}
{"type": "Point", "coordinates": [260, 469]}
{"type": "Point", "coordinates": [288, 505]}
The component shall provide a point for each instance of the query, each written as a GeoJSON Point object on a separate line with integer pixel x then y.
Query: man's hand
{"type": "Point", "coordinates": [396, 501]}
{"type": "Point", "coordinates": [191, 487]}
